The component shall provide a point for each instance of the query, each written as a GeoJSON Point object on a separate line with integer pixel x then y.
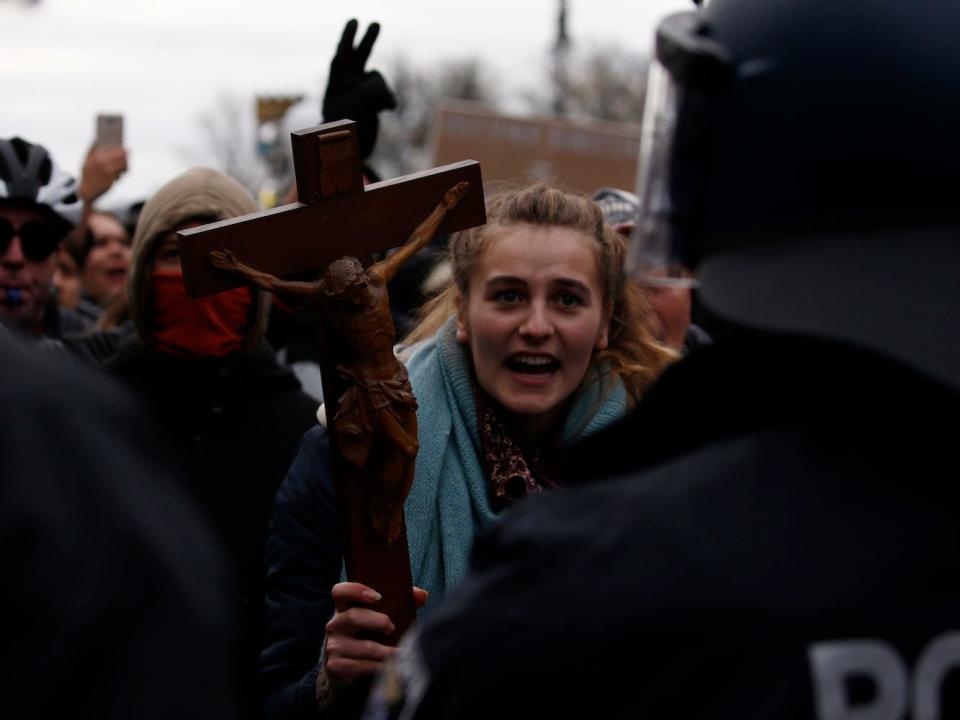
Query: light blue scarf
{"type": "Point", "coordinates": [449, 503]}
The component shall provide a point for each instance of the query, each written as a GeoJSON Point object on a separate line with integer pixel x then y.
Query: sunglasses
{"type": "Point", "coordinates": [37, 238]}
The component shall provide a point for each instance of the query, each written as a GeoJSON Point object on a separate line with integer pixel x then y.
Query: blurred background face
{"type": "Point", "coordinates": [26, 266]}
{"type": "Point", "coordinates": [671, 306]}
{"type": "Point", "coordinates": [671, 314]}
{"type": "Point", "coordinates": [105, 268]}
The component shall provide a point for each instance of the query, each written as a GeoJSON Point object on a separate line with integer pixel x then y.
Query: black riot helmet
{"type": "Point", "coordinates": [802, 158]}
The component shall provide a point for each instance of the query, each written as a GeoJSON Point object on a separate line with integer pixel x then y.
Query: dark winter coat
{"type": "Point", "coordinates": [114, 599]}
{"type": "Point", "coordinates": [781, 505]}
{"type": "Point", "coordinates": [230, 427]}
{"type": "Point", "coordinates": [304, 560]}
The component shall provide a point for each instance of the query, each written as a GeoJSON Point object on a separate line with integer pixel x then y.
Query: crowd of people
{"type": "Point", "coordinates": [612, 513]}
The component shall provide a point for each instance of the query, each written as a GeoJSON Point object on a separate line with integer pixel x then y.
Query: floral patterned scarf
{"type": "Point", "coordinates": [514, 471]}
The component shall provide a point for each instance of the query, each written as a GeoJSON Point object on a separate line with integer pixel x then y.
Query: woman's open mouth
{"type": "Point", "coordinates": [527, 364]}
{"type": "Point", "coordinates": [116, 276]}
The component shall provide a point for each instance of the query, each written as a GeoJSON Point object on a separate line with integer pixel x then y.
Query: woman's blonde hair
{"type": "Point", "coordinates": [632, 351]}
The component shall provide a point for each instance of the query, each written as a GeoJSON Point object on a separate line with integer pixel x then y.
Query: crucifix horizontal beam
{"type": "Point", "coordinates": [352, 220]}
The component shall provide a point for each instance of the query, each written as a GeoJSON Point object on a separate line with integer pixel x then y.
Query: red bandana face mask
{"type": "Point", "coordinates": [206, 327]}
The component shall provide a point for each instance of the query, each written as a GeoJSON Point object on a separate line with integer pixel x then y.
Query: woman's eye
{"type": "Point", "coordinates": [568, 300]}
{"type": "Point", "coordinates": [508, 296]}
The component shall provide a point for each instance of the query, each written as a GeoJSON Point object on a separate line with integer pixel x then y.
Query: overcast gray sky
{"type": "Point", "coordinates": [162, 63]}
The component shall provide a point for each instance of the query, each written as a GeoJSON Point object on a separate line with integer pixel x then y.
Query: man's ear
{"type": "Point", "coordinates": [463, 334]}
{"type": "Point", "coordinates": [603, 338]}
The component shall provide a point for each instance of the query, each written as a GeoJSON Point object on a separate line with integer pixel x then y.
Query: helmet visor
{"type": "Point", "coordinates": [653, 256]}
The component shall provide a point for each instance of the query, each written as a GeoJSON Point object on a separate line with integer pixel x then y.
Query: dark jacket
{"type": "Point", "coordinates": [229, 427]}
{"type": "Point", "coordinates": [778, 502]}
{"type": "Point", "coordinates": [304, 560]}
{"type": "Point", "coordinates": [96, 348]}
{"type": "Point", "coordinates": [55, 323]}
{"type": "Point", "coordinates": [89, 310]}
{"type": "Point", "coordinates": [114, 599]}
{"type": "Point", "coordinates": [59, 321]}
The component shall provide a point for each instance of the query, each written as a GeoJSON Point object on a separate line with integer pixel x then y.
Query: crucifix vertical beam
{"type": "Point", "coordinates": [334, 172]}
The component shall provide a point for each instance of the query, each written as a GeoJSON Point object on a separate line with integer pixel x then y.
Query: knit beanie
{"type": "Point", "coordinates": [199, 192]}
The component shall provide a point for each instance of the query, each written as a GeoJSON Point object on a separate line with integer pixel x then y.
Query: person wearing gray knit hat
{"type": "Point", "coordinates": [228, 414]}
{"type": "Point", "coordinates": [164, 317]}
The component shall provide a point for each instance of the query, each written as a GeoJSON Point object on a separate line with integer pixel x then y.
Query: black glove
{"type": "Point", "coordinates": [354, 93]}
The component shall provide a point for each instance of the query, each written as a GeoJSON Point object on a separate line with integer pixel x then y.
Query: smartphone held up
{"type": "Point", "coordinates": [109, 130]}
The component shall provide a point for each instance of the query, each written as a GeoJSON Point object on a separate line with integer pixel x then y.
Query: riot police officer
{"type": "Point", "coordinates": [775, 534]}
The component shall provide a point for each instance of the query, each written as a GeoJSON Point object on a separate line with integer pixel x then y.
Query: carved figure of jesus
{"type": "Point", "coordinates": [376, 421]}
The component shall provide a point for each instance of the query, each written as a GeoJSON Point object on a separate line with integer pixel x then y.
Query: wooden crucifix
{"type": "Point", "coordinates": [334, 230]}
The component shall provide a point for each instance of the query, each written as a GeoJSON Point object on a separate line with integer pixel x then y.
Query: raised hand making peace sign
{"type": "Point", "coordinates": [354, 93]}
